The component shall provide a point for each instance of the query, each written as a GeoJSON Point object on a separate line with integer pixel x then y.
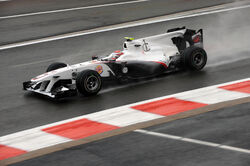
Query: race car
{"type": "Point", "coordinates": [177, 49]}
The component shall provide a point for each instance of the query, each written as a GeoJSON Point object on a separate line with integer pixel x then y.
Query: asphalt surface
{"type": "Point", "coordinates": [226, 126]}
{"type": "Point", "coordinates": [226, 41]}
{"type": "Point", "coordinates": [20, 110]}
{"type": "Point", "coordinates": [38, 26]}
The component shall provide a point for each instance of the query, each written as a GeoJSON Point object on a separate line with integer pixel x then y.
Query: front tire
{"type": "Point", "coordinates": [195, 58]}
{"type": "Point", "coordinates": [56, 65]}
{"type": "Point", "coordinates": [88, 82]}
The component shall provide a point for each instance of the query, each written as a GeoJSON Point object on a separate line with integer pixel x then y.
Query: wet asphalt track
{"type": "Point", "coordinates": [229, 59]}
{"type": "Point", "coordinates": [32, 27]}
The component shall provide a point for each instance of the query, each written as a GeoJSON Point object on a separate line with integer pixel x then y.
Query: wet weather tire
{"type": "Point", "coordinates": [195, 58]}
{"type": "Point", "coordinates": [56, 65]}
{"type": "Point", "coordinates": [88, 82]}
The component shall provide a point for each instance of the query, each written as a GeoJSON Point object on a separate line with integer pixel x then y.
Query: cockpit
{"type": "Point", "coordinates": [132, 49]}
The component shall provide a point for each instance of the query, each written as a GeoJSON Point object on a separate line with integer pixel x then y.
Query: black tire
{"type": "Point", "coordinates": [88, 82]}
{"type": "Point", "coordinates": [195, 58]}
{"type": "Point", "coordinates": [56, 65]}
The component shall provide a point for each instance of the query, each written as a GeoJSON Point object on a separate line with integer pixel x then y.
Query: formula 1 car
{"type": "Point", "coordinates": [178, 48]}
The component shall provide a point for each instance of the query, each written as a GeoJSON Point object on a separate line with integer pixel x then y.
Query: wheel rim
{"type": "Point", "coordinates": [198, 59]}
{"type": "Point", "coordinates": [92, 83]}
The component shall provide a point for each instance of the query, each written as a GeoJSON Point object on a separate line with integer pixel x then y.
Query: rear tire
{"type": "Point", "coordinates": [195, 58]}
{"type": "Point", "coordinates": [56, 65]}
{"type": "Point", "coordinates": [88, 82]}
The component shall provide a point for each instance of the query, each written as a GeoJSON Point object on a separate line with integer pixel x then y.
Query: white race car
{"type": "Point", "coordinates": [179, 48]}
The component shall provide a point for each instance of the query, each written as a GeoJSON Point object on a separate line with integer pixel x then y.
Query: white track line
{"type": "Point", "coordinates": [195, 141]}
{"type": "Point", "coordinates": [188, 14]}
{"type": "Point", "coordinates": [33, 63]}
{"type": "Point", "coordinates": [71, 9]}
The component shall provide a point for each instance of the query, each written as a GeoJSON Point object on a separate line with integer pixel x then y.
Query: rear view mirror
{"type": "Point", "coordinates": [94, 57]}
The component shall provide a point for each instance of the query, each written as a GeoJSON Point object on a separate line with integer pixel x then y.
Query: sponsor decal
{"type": "Point", "coordinates": [197, 39]}
{"type": "Point", "coordinates": [99, 69]}
{"type": "Point", "coordinates": [118, 52]}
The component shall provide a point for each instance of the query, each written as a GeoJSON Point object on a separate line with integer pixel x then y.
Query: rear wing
{"type": "Point", "coordinates": [192, 37]}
